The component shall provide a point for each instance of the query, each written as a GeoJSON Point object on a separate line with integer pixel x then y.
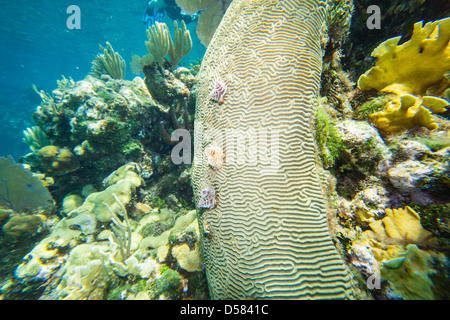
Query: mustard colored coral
{"type": "Point", "coordinates": [412, 72]}
{"type": "Point", "coordinates": [386, 236]}
{"type": "Point", "coordinates": [408, 111]}
{"type": "Point", "coordinates": [400, 224]}
{"type": "Point", "coordinates": [416, 64]}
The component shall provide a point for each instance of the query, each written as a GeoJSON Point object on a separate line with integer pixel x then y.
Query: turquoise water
{"type": "Point", "coordinates": [38, 48]}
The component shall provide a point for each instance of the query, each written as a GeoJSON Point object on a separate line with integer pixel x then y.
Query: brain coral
{"type": "Point", "coordinates": [268, 235]}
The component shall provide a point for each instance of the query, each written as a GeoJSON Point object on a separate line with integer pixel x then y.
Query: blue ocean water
{"type": "Point", "coordinates": [36, 47]}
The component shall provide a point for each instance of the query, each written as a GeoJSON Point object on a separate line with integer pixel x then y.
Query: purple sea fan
{"type": "Point", "coordinates": [217, 94]}
{"type": "Point", "coordinates": [207, 198]}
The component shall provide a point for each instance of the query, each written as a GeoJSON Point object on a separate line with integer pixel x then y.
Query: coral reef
{"type": "Point", "coordinates": [106, 122]}
{"type": "Point", "coordinates": [56, 160]}
{"type": "Point", "coordinates": [98, 210]}
{"type": "Point", "coordinates": [400, 165]}
{"type": "Point", "coordinates": [412, 274]}
{"type": "Point", "coordinates": [100, 246]}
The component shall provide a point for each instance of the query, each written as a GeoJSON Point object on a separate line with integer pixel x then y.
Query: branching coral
{"type": "Point", "coordinates": [121, 234]}
{"type": "Point", "coordinates": [182, 44]}
{"type": "Point", "coordinates": [158, 43]}
{"type": "Point", "coordinates": [35, 138]}
{"type": "Point", "coordinates": [408, 111]}
{"type": "Point", "coordinates": [110, 62]}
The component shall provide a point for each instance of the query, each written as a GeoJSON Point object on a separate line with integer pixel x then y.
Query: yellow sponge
{"type": "Point", "coordinates": [408, 111]}
{"type": "Point", "coordinates": [416, 64]}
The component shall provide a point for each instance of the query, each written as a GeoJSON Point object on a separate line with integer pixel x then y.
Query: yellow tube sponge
{"type": "Point", "coordinates": [416, 64]}
{"type": "Point", "coordinates": [408, 111]}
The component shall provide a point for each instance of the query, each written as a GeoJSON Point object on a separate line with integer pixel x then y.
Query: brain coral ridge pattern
{"type": "Point", "coordinates": [264, 240]}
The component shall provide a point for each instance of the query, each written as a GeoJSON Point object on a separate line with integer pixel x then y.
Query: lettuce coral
{"type": "Point", "coordinates": [408, 111]}
{"type": "Point", "coordinates": [386, 235]}
{"type": "Point", "coordinates": [413, 72]}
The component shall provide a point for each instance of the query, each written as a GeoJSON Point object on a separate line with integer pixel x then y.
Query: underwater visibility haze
{"type": "Point", "coordinates": [224, 149]}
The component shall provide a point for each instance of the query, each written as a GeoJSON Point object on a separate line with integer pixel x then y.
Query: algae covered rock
{"type": "Point", "coordinates": [363, 146]}
{"type": "Point", "coordinates": [369, 204]}
{"type": "Point", "coordinates": [414, 274]}
{"type": "Point", "coordinates": [418, 173]}
{"type": "Point", "coordinates": [412, 150]}
{"type": "Point", "coordinates": [163, 86]}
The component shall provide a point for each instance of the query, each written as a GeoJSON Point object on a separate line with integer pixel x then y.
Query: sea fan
{"type": "Point", "coordinates": [19, 189]}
